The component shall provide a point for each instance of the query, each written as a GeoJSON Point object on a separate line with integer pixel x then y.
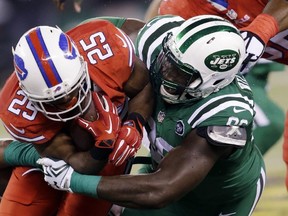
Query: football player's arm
{"type": "Point", "coordinates": [278, 9]}
{"type": "Point", "coordinates": [152, 10]}
{"type": "Point", "coordinates": [140, 107]}
{"type": "Point", "coordinates": [181, 170]}
{"type": "Point", "coordinates": [274, 18]}
{"type": "Point", "coordinates": [15, 153]}
{"type": "Point", "coordinates": [61, 147]}
{"type": "Point", "coordinates": [4, 143]}
{"type": "Point", "coordinates": [138, 79]}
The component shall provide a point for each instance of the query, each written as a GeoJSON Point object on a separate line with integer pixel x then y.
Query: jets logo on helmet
{"type": "Point", "coordinates": [208, 50]}
{"type": "Point", "coordinates": [222, 61]}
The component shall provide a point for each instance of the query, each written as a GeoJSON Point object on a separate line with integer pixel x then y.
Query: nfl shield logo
{"type": "Point", "coordinates": [161, 116]}
{"type": "Point", "coordinates": [179, 128]}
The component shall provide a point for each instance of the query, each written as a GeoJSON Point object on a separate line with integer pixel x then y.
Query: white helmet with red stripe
{"type": "Point", "coordinates": [52, 73]}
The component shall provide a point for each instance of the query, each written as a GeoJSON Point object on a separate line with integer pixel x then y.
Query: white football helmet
{"type": "Point", "coordinates": [51, 71]}
{"type": "Point", "coordinates": [206, 51]}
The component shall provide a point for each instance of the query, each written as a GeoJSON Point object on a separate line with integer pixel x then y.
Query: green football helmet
{"type": "Point", "coordinates": [198, 58]}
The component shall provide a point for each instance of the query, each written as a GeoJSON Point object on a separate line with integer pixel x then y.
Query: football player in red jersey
{"type": "Point", "coordinates": [248, 16]}
{"type": "Point", "coordinates": [50, 89]}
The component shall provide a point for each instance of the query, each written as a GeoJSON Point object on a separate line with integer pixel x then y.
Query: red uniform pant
{"type": "Point", "coordinates": [27, 194]}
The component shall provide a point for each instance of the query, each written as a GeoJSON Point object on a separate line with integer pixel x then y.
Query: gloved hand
{"type": "Point", "coordinates": [129, 139]}
{"type": "Point", "coordinates": [105, 129]}
{"type": "Point", "coordinates": [57, 173]}
{"type": "Point", "coordinates": [255, 47]}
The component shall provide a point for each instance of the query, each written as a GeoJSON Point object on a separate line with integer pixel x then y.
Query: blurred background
{"type": "Point", "coordinates": [18, 16]}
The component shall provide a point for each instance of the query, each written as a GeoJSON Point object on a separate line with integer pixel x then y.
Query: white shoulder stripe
{"type": "Point", "coordinates": [220, 107]}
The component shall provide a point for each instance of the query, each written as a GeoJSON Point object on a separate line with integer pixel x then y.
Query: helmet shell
{"type": "Point", "coordinates": [208, 46]}
{"type": "Point", "coordinates": [47, 62]}
{"type": "Point", "coordinates": [49, 67]}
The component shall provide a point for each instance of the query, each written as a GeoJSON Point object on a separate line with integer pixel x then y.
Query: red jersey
{"type": "Point", "coordinates": [241, 13]}
{"type": "Point", "coordinates": [109, 54]}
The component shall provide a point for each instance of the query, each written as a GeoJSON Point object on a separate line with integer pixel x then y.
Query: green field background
{"type": "Point", "coordinates": [274, 201]}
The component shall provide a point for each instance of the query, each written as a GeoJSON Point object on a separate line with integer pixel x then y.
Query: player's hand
{"type": "Point", "coordinates": [57, 173]}
{"type": "Point", "coordinates": [105, 129]}
{"type": "Point", "coordinates": [255, 47]}
{"type": "Point", "coordinates": [61, 3]}
{"type": "Point", "coordinates": [129, 139]}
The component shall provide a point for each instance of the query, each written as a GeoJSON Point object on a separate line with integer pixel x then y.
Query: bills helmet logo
{"type": "Point", "coordinates": [21, 71]}
{"type": "Point", "coordinates": [67, 46]}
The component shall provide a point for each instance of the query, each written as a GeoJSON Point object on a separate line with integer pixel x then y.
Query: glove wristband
{"type": "Point", "coordinates": [21, 154]}
{"type": "Point", "coordinates": [256, 27]}
{"type": "Point", "coordinates": [137, 121]}
{"type": "Point", "coordinates": [85, 184]}
{"type": "Point", "coordinates": [100, 153]}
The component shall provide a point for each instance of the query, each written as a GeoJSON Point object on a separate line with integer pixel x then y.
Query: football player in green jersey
{"type": "Point", "coordinates": [269, 124]}
{"type": "Point", "coordinates": [204, 158]}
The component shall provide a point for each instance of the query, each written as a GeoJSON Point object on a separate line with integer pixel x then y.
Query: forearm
{"type": "Point", "coordinates": [3, 145]}
{"type": "Point", "coordinates": [270, 30]}
{"type": "Point", "coordinates": [143, 103]}
{"type": "Point", "coordinates": [152, 10]}
{"type": "Point", "coordinates": [21, 154]}
{"type": "Point", "coordinates": [278, 9]}
{"type": "Point", "coordinates": [128, 191]}
{"type": "Point", "coordinates": [83, 162]}
{"type": "Point", "coordinates": [134, 191]}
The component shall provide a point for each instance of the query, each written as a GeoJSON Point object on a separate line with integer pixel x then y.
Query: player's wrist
{"type": "Point", "coordinates": [21, 154]}
{"type": "Point", "coordinates": [85, 184]}
{"type": "Point", "coordinates": [256, 27]}
{"type": "Point", "coordinates": [136, 120]}
{"type": "Point", "coordinates": [100, 153]}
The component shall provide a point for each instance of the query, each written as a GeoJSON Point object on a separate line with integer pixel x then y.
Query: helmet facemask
{"type": "Point", "coordinates": [206, 51]}
{"type": "Point", "coordinates": [179, 82]}
{"type": "Point", "coordinates": [52, 73]}
{"type": "Point", "coordinates": [70, 104]}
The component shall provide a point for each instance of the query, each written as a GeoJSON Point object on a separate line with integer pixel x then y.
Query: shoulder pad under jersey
{"type": "Point", "coordinates": [224, 135]}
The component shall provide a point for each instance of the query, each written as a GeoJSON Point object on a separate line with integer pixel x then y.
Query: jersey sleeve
{"type": "Point", "coordinates": [226, 117]}
{"type": "Point", "coordinates": [109, 53]}
{"type": "Point", "coordinates": [21, 119]}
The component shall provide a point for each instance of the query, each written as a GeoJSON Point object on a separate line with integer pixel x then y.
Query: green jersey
{"type": "Point", "coordinates": [231, 106]}
{"type": "Point", "coordinates": [226, 114]}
